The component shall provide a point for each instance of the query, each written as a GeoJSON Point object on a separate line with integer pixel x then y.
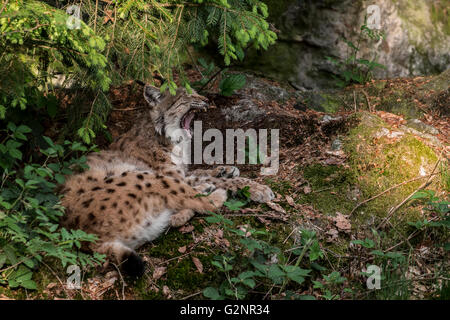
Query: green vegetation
{"type": "Point", "coordinates": [52, 62]}
{"type": "Point", "coordinates": [353, 69]}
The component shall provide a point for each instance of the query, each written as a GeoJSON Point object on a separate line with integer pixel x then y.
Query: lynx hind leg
{"type": "Point", "coordinates": [181, 217]}
{"type": "Point", "coordinates": [127, 259]}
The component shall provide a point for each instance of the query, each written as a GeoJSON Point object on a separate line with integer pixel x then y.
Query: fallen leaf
{"type": "Point", "coordinates": [186, 228]}
{"type": "Point", "coordinates": [166, 291]}
{"type": "Point", "coordinates": [276, 207]}
{"type": "Point", "coordinates": [307, 190]}
{"type": "Point", "coordinates": [332, 235]}
{"type": "Point", "coordinates": [182, 249]}
{"type": "Point", "coordinates": [342, 222]}
{"type": "Point", "coordinates": [290, 201]}
{"type": "Point", "coordinates": [198, 264]}
{"type": "Point", "coordinates": [159, 272]}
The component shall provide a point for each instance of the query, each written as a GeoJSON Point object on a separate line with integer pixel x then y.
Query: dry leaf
{"type": "Point", "coordinates": [198, 264]}
{"type": "Point", "coordinates": [186, 228]}
{"type": "Point", "coordinates": [182, 249]}
{"type": "Point", "coordinates": [290, 201]}
{"type": "Point", "coordinates": [307, 190]}
{"type": "Point", "coordinates": [159, 272]}
{"type": "Point", "coordinates": [332, 235]}
{"type": "Point", "coordinates": [276, 207]}
{"type": "Point", "coordinates": [342, 222]}
{"type": "Point", "coordinates": [166, 291]}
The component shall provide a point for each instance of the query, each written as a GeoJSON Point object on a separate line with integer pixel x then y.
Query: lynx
{"type": "Point", "coordinates": [133, 191]}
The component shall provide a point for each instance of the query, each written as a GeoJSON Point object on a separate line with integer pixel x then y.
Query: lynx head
{"type": "Point", "coordinates": [173, 115]}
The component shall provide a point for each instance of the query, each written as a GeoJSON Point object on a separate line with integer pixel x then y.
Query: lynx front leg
{"type": "Point", "coordinates": [218, 172]}
{"type": "Point", "coordinates": [258, 192]}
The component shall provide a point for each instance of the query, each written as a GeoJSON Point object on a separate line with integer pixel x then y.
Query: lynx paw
{"type": "Point", "coordinates": [261, 193]}
{"type": "Point", "coordinates": [227, 172]}
{"type": "Point", "coordinates": [205, 188]}
{"type": "Point", "coordinates": [218, 197]}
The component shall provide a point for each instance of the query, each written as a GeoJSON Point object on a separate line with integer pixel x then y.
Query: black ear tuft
{"type": "Point", "coordinates": [133, 265]}
{"type": "Point", "coordinates": [152, 95]}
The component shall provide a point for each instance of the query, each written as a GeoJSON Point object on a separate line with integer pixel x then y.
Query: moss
{"type": "Point", "coordinates": [382, 164]}
{"type": "Point", "coordinates": [331, 187]}
{"type": "Point", "coordinates": [330, 103]}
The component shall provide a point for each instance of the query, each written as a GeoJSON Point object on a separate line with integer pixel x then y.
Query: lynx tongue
{"type": "Point", "coordinates": [187, 121]}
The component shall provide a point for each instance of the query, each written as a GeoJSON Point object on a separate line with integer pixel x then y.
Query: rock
{"type": "Point", "coordinates": [262, 90]}
{"type": "Point", "coordinates": [422, 127]}
{"type": "Point", "coordinates": [384, 132]}
{"type": "Point", "coordinates": [245, 110]}
{"type": "Point", "coordinates": [327, 118]}
{"type": "Point", "coordinates": [417, 40]}
{"type": "Point", "coordinates": [336, 145]}
{"type": "Point", "coordinates": [432, 139]}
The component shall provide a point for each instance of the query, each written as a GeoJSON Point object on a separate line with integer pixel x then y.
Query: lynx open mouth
{"type": "Point", "coordinates": [187, 122]}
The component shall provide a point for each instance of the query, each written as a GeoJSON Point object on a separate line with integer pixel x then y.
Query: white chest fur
{"type": "Point", "coordinates": [150, 228]}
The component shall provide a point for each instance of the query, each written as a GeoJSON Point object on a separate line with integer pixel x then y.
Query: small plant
{"type": "Point", "coordinates": [30, 210]}
{"type": "Point", "coordinates": [258, 266]}
{"type": "Point", "coordinates": [353, 69]}
{"type": "Point", "coordinates": [228, 84]}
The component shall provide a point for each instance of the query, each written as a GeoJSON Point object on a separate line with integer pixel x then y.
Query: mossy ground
{"type": "Point", "coordinates": [373, 165]}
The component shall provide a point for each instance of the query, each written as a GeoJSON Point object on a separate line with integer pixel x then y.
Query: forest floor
{"type": "Point", "coordinates": [349, 162]}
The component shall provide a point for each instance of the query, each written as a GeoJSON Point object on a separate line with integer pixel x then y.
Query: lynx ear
{"type": "Point", "coordinates": [152, 95]}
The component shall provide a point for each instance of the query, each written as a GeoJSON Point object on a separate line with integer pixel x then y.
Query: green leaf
{"type": "Point", "coordinates": [29, 284]}
{"type": "Point", "coordinates": [231, 83]}
{"type": "Point", "coordinates": [212, 293]}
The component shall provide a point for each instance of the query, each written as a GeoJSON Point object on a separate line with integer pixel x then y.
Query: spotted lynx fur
{"type": "Point", "coordinates": [133, 191]}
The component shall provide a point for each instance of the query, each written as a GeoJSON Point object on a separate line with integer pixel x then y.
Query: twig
{"type": "Point", "coordinates": [354, 100]}
{"type": "Point", "coordinates": [367, 98]}
{"type": "Point", "coordinates": [389, 189]}
{"type": "Point", "coordinates": [393, 210]}
{"type": "Point", "coordinates": [130, 109]}
{"type": "Point", "coordinates": [191, 295]}
{"type": "Point", "coordinates": [54, 273]}
{"type": "Point", "coordinates": [121, 278]}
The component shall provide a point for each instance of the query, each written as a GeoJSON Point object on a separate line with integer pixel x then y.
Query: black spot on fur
{"type": "Point", "coordinates": [173, 192]}
{"type": "Point", "coordinates": [122, 184]}
{"type": "Point", "coordinates": [122, 220]}
{"type": "Point", "coordinates": [106, 199]}
{"type": "Point", "coordinates": [148, 185]}
{"type": "Point", "coordinates": [114, 205]}
{"type": "Point", "coordinates": [123, 174]}
{"type": "Point", "coordinates": [102, 207]}
{"type": "Point", "coordinates": [110, 180]}
{"type": "Point", "coordinates": [110, 190]}
{"type": "Point", "coordinates": [182, 190]}
{"type": "Point", "coordinates": [96, 188]}
{"type": "Point", "coordinates": [87, 203]}
{"type": "Point", "coordinates": [138, 186]}
{"type": "Point", "coordinates": [132, 195]}
{"type": "Point", "coordinates": [80, 191]}
{"type": "Point", "coordinates": [165, 184]}
{"type": "Point", "coordinates": [140, 177]}
{"type": "Point", "coordinates": [177, 180]}
{"type": "Point", "coordinates": [91, 216]}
